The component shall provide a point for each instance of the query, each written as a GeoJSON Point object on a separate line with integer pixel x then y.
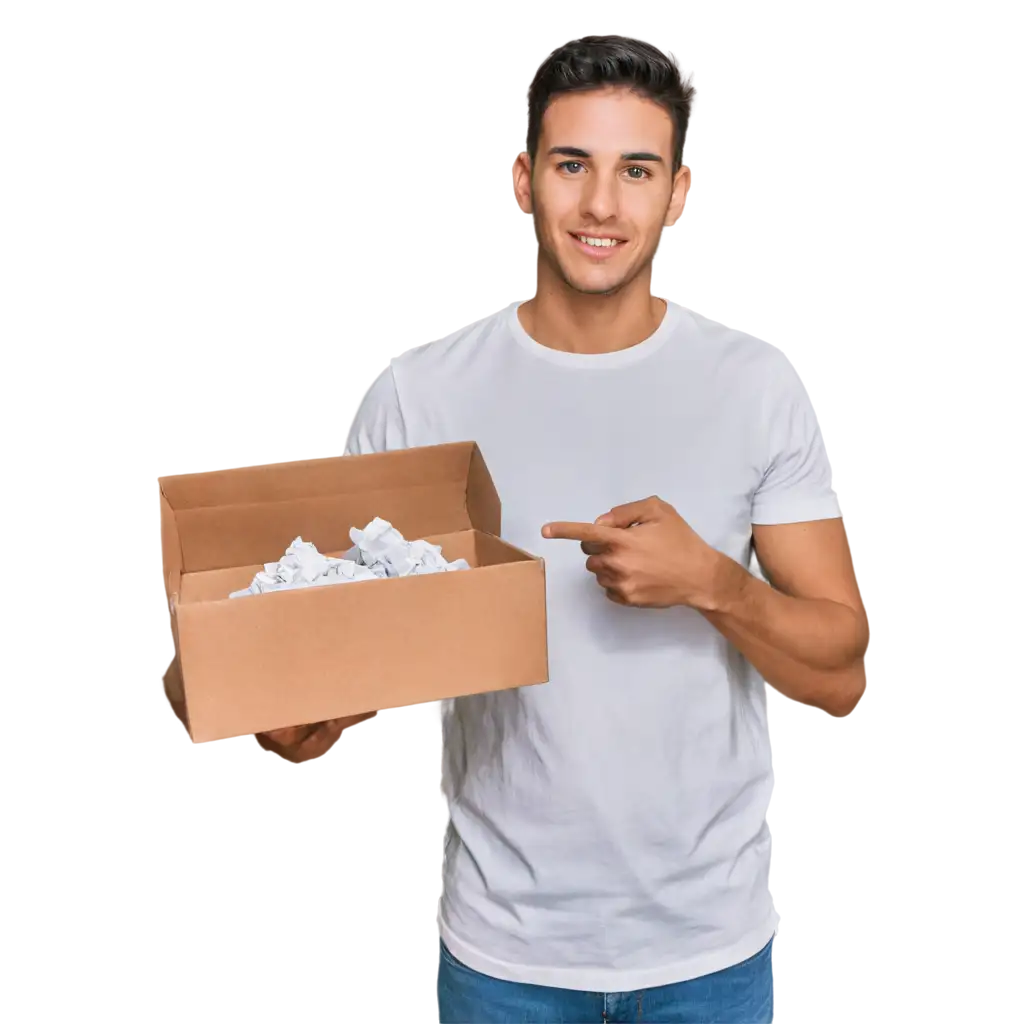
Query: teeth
{"type": "Point", "coordinates": [598, 241]}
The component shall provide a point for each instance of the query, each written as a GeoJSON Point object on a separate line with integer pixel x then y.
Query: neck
{"type": "Point", "coordinates": [571, 321]}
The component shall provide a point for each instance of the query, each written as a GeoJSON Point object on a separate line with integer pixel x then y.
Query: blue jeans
{"type": "Point", "coordinates": [741, 994]}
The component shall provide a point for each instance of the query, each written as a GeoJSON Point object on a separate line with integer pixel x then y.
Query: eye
{"type": "Point", "coordinates": [644, 173]}
{"type": "Point", "coordinates": [566, 164]}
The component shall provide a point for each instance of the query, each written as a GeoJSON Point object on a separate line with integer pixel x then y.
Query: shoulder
{"type": "Point", "coordinates": [412, 382]}
{"type": "Point", "coordinates": [738, 349]}
{"type": "Point", "coordinates": [726, 340]}
{"type": "Point", "coordinates": [444, 354]}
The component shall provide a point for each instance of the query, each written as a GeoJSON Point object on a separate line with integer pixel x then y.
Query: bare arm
{"type": "Point", "coordinates": [807, 632]}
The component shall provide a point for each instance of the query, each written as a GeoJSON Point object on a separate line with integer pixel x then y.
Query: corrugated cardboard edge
{"type": "Point", "coordinates": [483, 506]}
{"type": "Point", "coordinates": [238, 484]}
{"type": "Point", "coordinates": [170, 544]}
{"type": "Point", "coordinates": [169, 675]}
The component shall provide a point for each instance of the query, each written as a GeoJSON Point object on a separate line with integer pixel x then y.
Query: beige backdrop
{"type": "Point", "coordinates": [211, 224]}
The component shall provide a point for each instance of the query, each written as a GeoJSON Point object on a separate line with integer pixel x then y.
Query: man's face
{"type": "Point", "coordinates": [601, 187]}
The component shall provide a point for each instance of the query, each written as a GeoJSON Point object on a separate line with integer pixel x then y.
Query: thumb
{"type": "Point", "coordinates": [626, 515]}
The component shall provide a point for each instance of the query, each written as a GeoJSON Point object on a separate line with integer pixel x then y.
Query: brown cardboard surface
{"type": "Point", "coordinates": [267, 661]}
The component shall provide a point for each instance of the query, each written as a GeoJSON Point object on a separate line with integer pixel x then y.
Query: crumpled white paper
{"type": "Point", "coordinates": [386, 552]}
{"type": "Point", "coordinates": [379, 552]}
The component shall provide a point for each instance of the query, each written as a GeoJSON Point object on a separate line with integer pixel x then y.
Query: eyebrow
{"type": "Point", "coordinates": [575, 151]}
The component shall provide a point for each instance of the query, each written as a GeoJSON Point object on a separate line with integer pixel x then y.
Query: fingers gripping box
{"type": "Point", "coordinates": [272, 660]}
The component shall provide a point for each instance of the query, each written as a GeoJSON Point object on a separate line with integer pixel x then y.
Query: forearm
{"type": "Point", "coordinates": [833, 690]}
{"type": "Point", "coordinates": [811, 650]}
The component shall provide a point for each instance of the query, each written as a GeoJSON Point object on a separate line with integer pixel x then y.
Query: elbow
{"type": "Point", "coordinates": [852, 657]}
{"type": "Point", "coordinates": [844, 695]}
{"type": "Point", "coordinates": [848, 675]}
{"type": "Point", "coordinates": [836, 691]}
{"type": "Point", "coordinates": [847, 691]}
{"type": "Point", "coordinates": [839, 688]}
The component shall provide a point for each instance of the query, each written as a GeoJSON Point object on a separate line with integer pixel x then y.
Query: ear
{"type": "Point", "coordinates": [680, 186]}
{"type": "Point", "coordinates": [521, 172]}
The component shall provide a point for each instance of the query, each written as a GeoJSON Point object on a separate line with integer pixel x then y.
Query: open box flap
{"type": "Point", "coordinates": [250, 515]}
{"type": "Point", "coordinates": [171, 545]}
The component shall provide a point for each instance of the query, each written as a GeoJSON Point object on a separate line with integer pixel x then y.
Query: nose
{"type": "Point", "coordinates": [599, 198]}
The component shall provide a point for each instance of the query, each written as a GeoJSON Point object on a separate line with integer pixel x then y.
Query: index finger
{"type": "Point", "coordinates": [581, 532]}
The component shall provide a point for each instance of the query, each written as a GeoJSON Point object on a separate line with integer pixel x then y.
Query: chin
{"type": "Point", "coordinates": [584, 277]}
{"type": "Point", "coordinates": [589, 280]}
{"type": "Point", "coordinates": [594, 286]}
{"type": "Point", "coordinates": [610, 290]}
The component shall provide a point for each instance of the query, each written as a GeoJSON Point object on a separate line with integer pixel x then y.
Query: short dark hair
{"type": "Point", "coordinates": [596, 62]}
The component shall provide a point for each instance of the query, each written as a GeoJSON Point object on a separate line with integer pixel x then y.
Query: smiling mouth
{"type": "Point", "coordinates": [598, 241]}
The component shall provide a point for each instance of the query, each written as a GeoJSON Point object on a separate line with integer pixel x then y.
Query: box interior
{"type": "Point", "coordinates": [234, 520]}
{"type": "Point", "coordinates": [479, 549]}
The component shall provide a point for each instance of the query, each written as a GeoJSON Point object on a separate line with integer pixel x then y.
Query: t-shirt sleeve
{"type": "Point", "coordinates": [378, 425]}
{"type": "Point", "coordinates": [797, 483]}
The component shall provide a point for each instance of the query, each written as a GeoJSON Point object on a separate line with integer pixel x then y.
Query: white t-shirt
{"type": "Point", "coordinates": [607, 829]}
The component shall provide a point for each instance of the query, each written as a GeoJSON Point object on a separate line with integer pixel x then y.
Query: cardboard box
{"type": "Point", "coordinates": [267, 661]}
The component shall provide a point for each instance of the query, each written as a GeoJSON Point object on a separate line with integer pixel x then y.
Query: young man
{"type": "Point", "coordinates": [607, 854]}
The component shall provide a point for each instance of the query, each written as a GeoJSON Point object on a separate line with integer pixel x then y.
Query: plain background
{"type": "Point", "coordinates": [220, 220]}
